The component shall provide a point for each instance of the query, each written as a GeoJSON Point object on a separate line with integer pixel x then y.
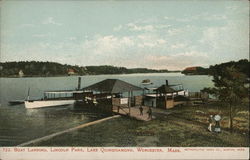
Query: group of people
{"type": "Point", "coordinates": [149, 112]}
{"type": "Point", "coordinates": [214, 123]}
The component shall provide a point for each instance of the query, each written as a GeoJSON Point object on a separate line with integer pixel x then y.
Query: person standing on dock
{"type": "Point", "coordinates": [141, 111]}
{"type": "Point", "coordinates": [149, 113]}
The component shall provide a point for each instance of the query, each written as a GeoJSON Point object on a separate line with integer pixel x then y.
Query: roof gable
{"type": "Point", "coordinates": [112, 86]}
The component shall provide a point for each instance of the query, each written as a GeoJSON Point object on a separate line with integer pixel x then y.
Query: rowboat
{"type": "Point", "coordinates": [16, 102]}
{"type": "Point", "coordinates": [146, 82]}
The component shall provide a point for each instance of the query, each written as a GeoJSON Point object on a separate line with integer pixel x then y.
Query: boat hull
{"type": "Point", "coordinates": [49, 103]}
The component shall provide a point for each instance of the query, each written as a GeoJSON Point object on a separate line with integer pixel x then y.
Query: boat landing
{"type": "Point", "coordinates": [133, 112]}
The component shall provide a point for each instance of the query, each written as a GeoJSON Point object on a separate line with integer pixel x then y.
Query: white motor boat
{"type": "Point", "coordinates": [47, 103]}
{"type": "Point", "coordinates": [52, 98]}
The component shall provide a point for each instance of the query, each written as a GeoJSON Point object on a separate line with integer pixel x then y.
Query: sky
{"type": "Point", "coordinates": [152, 34]}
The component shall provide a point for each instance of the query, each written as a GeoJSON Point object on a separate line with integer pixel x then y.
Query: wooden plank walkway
{"type": "Point", "coordinates": [65, 131]}
{"type": "Point", "coordinates": [134, 112]}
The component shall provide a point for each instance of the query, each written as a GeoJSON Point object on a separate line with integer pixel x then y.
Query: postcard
{"type": "Point", "coordinates": [124, 79]}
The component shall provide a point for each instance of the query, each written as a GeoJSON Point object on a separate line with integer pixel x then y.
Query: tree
{"type": "Point", "coordinates": [229, 88]}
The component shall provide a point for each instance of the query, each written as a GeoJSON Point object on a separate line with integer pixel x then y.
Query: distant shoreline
{"type": "Point", "coordinates": [53, 69]}
{"type": "Point", "coordinates": [42, 76]}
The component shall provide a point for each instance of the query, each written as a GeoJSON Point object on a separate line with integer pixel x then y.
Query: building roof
{"type": "Point", "coordinates": [165, 89]}
{"type": "Point", "coordinates": [112, 86]}
{"type": "Point", "coordinates": [71, 70]}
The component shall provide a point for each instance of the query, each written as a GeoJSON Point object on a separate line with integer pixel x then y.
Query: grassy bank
{"type": "Point", "coordinates": [200, 113]}
{"type": "Point", "coordinates": [185, 126]}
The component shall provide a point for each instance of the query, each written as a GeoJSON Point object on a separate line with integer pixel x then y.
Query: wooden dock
{"type": "Point", "coordinates": [134, 112]}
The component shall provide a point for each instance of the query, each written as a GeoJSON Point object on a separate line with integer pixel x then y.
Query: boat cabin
{"type": "Point", "coordinates": [166, 96]}
{"type": "Point", "coordinates": [62, 94]}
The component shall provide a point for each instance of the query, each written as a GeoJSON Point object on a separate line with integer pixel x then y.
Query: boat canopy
{"type": "Point", "coordinates": [63, 92]}
{"type": "Point", "coordinates": [150, 88]}
{"type": "Point", "coordinates": [177, 87]}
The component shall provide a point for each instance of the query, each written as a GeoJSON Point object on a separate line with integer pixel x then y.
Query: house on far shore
{"type": "Point", "coordinates": [71, 72]}
{"type": "Point", "coordinates": [20, 73]}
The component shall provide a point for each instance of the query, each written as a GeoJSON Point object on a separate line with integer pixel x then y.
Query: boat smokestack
{"type": "Point", "coordinates": [79, 83]}
{"type": "Point", "coordinates": [166, 82]}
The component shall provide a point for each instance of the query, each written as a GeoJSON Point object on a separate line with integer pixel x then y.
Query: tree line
{"type": "Point", "coordinates": [36, 68]}
{"type": "Point", "coordinates": [241, 66]}
{"type": "Point", "coordinates": [231, 87]}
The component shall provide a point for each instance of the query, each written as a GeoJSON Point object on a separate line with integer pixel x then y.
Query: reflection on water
{"type": "Point", "coordinates": [18, 124]}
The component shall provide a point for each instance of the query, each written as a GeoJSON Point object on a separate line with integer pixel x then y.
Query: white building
{"type": "Point", "coordinates": [20, 73]}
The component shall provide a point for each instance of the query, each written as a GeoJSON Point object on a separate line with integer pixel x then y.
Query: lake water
{"type": "Point", "coordinates": [18, 125]}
